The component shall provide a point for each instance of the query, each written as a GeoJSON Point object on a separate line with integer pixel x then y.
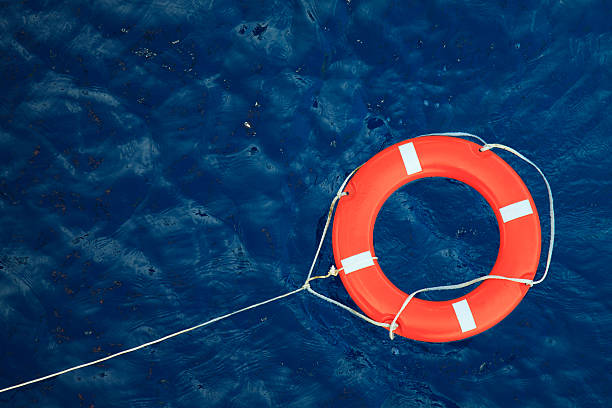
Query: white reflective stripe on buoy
{"type": "Point", "coordinates": [516, 210]}
{"type": "Point", "coordinates": [410, 158]}
{"type": "Point", "coordinates": [357, 262]}
{"type": "Point", "coordinates": [464, 315]}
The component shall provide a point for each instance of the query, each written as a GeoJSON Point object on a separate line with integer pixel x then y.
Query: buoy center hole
{"type": "Point", "coordinates": [433, 232]}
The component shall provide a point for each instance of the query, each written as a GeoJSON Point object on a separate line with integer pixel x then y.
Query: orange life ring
{"type": "Point", "coordinates": [436, 156]}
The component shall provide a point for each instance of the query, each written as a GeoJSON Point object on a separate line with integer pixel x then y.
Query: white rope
{"type": "Point", "coordinates": [487, 146]}
{"type": "Point", "coordinates": [393, 326]}
{"type": "Point", "coordinates": [306, 285]}
{"type": "Point", "coordinates": [333, 271]}
{"type": "Point", "coordinates": [178, 333]}
{"type": "Point", "coordinates": [339, 194]}
{"type": "Point", "coordinates": [551, 208]}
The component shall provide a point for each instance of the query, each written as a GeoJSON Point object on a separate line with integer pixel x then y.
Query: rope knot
{"type": "Point", "coordinates": [392, 327]}
{"type": "Point", "coordinates": [333, 271]}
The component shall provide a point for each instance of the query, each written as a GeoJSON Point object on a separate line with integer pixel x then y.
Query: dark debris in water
{"type": "Point", "coordinates": [259, 30]}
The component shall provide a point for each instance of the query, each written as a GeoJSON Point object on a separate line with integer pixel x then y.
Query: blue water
{"type": "Point", "coordinates": [162, 163]}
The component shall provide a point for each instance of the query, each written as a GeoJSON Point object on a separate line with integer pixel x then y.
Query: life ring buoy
{"type": "Point", "coordinates": [436, 156]}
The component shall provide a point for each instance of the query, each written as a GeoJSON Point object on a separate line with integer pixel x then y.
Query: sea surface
{"type": "Point", "coordinates": [166, 162]}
